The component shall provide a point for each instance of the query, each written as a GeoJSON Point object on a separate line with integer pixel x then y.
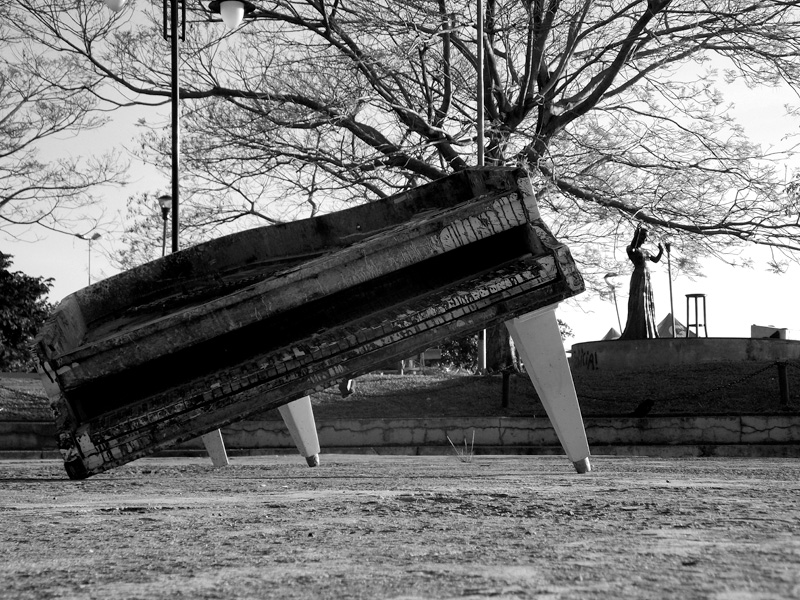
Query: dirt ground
{"type": "Point", "coordinates": [403, 527]}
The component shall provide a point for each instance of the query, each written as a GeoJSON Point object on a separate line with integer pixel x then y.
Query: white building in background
{"type": "Point", "coordinates": [770, 331]}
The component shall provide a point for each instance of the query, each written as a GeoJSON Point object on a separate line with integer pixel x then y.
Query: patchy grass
{"type": "Point", "coordinates": [434, 394]}
{"type": "Point", "coordinates": [22, 398]}
{"type": "Point", "coordinates": [712, 388]}
{"type": "Point", "coordinates": [748, 387]}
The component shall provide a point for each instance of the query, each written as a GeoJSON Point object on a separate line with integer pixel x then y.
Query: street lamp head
{"type": "Point", "coordinates": [610, 279]}
{"type": "Point", "coordinates": [165, 202]}
{"type": "Point", "coordinates": [96, 236]}
{"type": "Point", "coordinates": [114, 5]}
{"type": "Point", "coordinates": [231, 11]}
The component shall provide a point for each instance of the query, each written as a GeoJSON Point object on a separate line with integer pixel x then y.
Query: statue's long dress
{"type": "Point", "coordinates": [641, 322]}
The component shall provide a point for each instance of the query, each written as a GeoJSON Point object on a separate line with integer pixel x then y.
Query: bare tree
{"type": "Point", "coordinates": [43, 99]}
{"type": "Point", "coordinates": [611, 105]}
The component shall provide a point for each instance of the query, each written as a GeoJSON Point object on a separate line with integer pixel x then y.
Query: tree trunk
{"type": "Point", "coordinates": [499, 351]}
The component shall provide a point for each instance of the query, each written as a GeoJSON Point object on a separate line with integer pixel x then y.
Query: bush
{"type": "Point", "coordinates": [461, 352]}
{"type": "Point", "coordinates": [23, 309]}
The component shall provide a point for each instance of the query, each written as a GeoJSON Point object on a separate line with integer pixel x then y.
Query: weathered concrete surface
{"type": "Point", "coordinates": [619, 355]}
{"type": "Point", "coordinates": [371, 527]}
{"type": "Point", "coordinates": [507, 434]}
{"type": "Point", "coordinates": [758, 435]}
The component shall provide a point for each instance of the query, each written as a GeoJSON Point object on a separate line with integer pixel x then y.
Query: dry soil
{"type": "Point", "coordinates": [403, 527]}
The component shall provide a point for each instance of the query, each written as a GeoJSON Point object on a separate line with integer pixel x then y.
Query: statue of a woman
{"type": "Point", "coordinates": [641, 323]}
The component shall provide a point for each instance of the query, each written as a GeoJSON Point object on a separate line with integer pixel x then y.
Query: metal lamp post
{"type": "Point", "coordinates": [165, 202]}
{"type": "Point", "coordinates": [668, 247]}
{"type": "Point", "coordinates": [96, 236]}
{"type": "Point", "coordinates": [232, 13]}
{"type": "Point", "coordinates": [480, 100]}
{"type": "Point", "coordinates": [609, 277]}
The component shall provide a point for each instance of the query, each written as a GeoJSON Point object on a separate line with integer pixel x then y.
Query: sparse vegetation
{"type": "Point", "coordinates": [468, 452]}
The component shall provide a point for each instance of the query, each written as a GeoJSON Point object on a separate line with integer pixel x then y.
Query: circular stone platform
{"type": "Point", "coordinates": [619, 355]}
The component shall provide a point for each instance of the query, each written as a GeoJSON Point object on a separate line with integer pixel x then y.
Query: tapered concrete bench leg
{"type": "Point", "coordinates": [539, 344]}
{"type": "Point", "coordinates": [215, 447]}
{"type": "Point", "coordinates": [299, 419]}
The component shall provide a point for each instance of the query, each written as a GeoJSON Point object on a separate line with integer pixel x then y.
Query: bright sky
{"type": "Point", "coordinates": [736, 298]}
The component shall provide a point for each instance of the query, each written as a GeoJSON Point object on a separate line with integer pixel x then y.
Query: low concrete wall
{"type": "Point", "coordinates": [527, 432]}
{"type": "Point", "coordinates": [706, 434]}
{"type": "Point", "coordinates": [620, 355]}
